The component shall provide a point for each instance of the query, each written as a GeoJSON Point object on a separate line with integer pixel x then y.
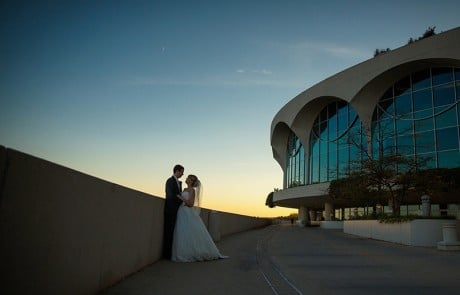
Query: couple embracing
{"type": "Point", "coordinates": [185, 237]}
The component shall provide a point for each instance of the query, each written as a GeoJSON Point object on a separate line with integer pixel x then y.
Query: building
{"type": "Point", "coordinates": [412, 93]}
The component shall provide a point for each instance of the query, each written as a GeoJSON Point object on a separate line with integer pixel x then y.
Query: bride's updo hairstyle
{"type": "Point", "coordinates": [195, 180]}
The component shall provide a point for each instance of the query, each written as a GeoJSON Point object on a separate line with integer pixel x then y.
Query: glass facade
{"type": "Point", "coordinates": [295, 168]}
{"type": "Point", "coordinates": [419, 116]}
{"type": "Point", "coordinates": [335, 142]}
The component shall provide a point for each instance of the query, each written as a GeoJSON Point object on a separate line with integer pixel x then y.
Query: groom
{"type": "Point", "coordinates": [172, 203]}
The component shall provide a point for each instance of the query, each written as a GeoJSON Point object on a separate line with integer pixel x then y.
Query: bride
{"type": "Point", "coordinates": [191, 241]}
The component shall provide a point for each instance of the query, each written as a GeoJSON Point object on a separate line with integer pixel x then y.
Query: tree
{"type": "Point", "coordinates": [381, 172]}
{"type": "Point", "coordinates": [428, 33]}
{"type": "Point", "coordinates": [390, 176]}
{"type": "Point", "coordinates": [353, 189]}
{"type": "Point", "coordinates": [381, 51]}
{"type": "Point", "coordinates": [269, 201]}
{"type": "Point", "coordinates": [435, 182]}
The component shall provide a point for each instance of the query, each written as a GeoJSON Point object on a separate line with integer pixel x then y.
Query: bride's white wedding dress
{"type": "Point", "coordinates": [192, 241]}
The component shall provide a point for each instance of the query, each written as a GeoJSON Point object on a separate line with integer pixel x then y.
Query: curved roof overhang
{"type": "Point", "coordinates": [360, 85]}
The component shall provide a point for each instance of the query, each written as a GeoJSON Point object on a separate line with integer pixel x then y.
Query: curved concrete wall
{"type": "Point", "coordinates": [65, 232]}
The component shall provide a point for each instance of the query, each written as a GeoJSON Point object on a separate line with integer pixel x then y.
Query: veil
{"type": "Point", "coordinates": [198, 196]}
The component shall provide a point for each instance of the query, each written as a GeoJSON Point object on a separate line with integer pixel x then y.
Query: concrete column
{"type": "Point", "coordinates": [390, 207]}
{"type": "Point", "coordinates": [312, 214]}
{"type": "Point", "coordinates": [303, 217]}
{"type": "Point", "coordinates": [329, 208]}
{"type": "Point", "coordinates": [319, 215]}
{"type": "Point", "coordinates": [426, 205]}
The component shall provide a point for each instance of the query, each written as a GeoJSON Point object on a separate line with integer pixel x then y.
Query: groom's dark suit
{"type": "Point", "coordinates": [172, 204]}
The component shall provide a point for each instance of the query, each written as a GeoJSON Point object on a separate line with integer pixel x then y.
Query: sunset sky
{"type": "Point", "coordinates": [124, 90]}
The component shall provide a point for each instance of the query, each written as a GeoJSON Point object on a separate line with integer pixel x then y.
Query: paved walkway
{"type": "Point", "coordinates": [285, 259]}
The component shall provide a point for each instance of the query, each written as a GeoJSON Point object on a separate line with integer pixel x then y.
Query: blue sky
{"type": "Point", "coordinates": [123, 90]}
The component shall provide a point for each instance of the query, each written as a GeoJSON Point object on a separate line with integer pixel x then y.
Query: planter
{"type": "Point", "coordinates": [449, 233]}
{"type": "Point", "coordinates": [418, 232]}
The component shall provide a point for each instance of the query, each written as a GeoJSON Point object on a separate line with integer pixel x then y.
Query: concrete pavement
{"type": "Point", "coordinates": [286, 259]}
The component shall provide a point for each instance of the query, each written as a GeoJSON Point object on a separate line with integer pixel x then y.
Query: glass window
{"type": "Point", "coordinates": [354, 132]}
{"type": "Point", "coordinates": [449, 159]}
{"type": "Point", "coordinates": [364, 151]}
{"type": "Point", "coordinates": [332, 110]}
{"type": "Point", "coordinates": [425, 114]}
{"type": "Point", "coordinates": [342, 107]}
{"type": "Point", "coordinates": [342, 143]}
{"type": "Point", "coordinates": [424, 125]}
{"type": "Point", "coordinates": [457, 74]}
{"type": "Point", "coordinates": [315, 148]}
{"type": "Point", "coordinates": [323, 168]}
{"type": "Point", "coordinates": [404, 126]}
{"type": "Point", "coordinates": [421, 80]}
{"type": "Point", "coordinates": [458, 90]}
{"type": "Point", "coordinates": [334, 134]}
{"type": "Point", "coordinates": [343, 162]}
{"type": "Point", "coordinates": [430, 159]}
{"type": "Point", "coordinates": [444, 95]}
{"type": "Point", "coordinates": [374, 142]}
{"type": "Point", "coordinates": [389, 146]}
{"type": "Point", "coordinates": [301, 153]}
{"type": "Point", "coordinates": [314, 174]}
{"type": "Point", "coordinates": [323, 147]}
{"type": "Point", "coordinates": [447, 138]}
{"type": "Point", "coordinates": [386, 108]}
{"type": "Point", "coordinates": [355, 152]}
{"type": "Point", "coordinates": [302, 160]}
{"type": "Point", "coordinates": [302, 176]}
{"type": "Point", "coordinates": [402, 87]}
{"type": "Point", "coordinates": [332, 165]}
{"type": "Point", "coordinates": [332, 146]}
{"type": "Point", "coordinates": [442, 75]}
{"type": "Point", "coordinates": [323, 115]}
{"type": "Point", "coordinates": [403, 104]}
{"type": "Point", "coordinates": [323, 130]}
{"type": "Point", "coordinates": [447, 118]}
{"type": "Point", "coordinates": [351, 115]}
{"type": "Point", "coordinates": [426, 118]}
{"type": "Point", "coordinates": [405, 144]}
{"type": "Point", "coordinates": [332, 125]}
{"type": "Point", "coordinates": [315, 129]}
{"type": "Point", "coordinates": [387, 127]}
{"type": "Point", "coordinates": [458, 112]}
{"type": "Point", "coordinates": [422, 100]}
{"type": "Point", "coordinates": [295, 166]}
{"type": "Point", "coordinates": [424, 142]}
{"type": "Point", "coordinates": [342, 123]}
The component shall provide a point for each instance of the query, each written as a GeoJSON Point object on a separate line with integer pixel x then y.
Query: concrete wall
{"type": "Point", "coordinates": [233, 223]}
{"type": "Point", "coordinates": [65, 232]}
